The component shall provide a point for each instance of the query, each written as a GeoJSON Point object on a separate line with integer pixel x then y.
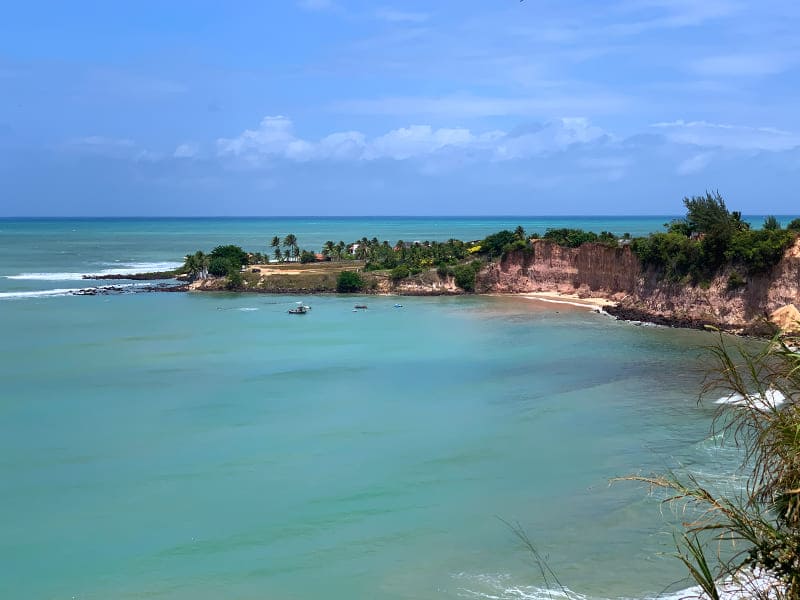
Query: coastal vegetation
{"type": "Point", "coordinates": [349, 282]}
{"type": "Point", "coordinates": [747, 544]}
{"type": "Point", "coordinates": [709, 241]}
{"type": "Point", "coordinates": [710, 237]}
{"type": "Point", "coordinates": [572, 238]}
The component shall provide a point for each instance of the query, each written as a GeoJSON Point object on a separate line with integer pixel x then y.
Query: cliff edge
{"type": "Point", "coordinates": [641, 294]}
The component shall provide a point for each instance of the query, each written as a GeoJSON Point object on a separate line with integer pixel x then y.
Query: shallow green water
{"type": "Point", "coordinates": [184, 446]}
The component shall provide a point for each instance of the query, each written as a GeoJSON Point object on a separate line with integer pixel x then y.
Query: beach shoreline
{"type": "Point", "coordinates": [593, 302]}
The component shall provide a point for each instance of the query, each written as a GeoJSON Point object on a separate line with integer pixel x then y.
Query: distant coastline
{"type": "Point", "coordinates": [710, 267]}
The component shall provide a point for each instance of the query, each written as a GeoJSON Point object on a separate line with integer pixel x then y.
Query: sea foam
{"type": "Point", "coordinates": [770, 400]}
{"type": "Point", "coordinates": [56, 292]}
{"type": "Point", "coordinates": [39, 293]}
{"type": "Point", "coordinates": [126, 269]}
{"type": "Point", "coordinates": [500, 587]}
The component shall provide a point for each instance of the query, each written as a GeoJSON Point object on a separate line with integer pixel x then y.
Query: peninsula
{"type": "Point", "coordinates": [708, 268]}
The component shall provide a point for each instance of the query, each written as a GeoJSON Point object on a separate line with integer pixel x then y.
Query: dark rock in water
{"type": "Point", "coordinates": [638, 317]}
{"type": "Point", "coordinates": [116, 289]}
{"type": "Point", "coordinates": [136, 276]}
{"type": "Point", "coordinates": [164, 287]}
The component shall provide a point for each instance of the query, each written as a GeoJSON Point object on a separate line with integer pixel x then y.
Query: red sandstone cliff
{"type": "Point", "coordinates": [616, 273]}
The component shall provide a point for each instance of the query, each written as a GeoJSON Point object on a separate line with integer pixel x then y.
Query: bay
{"type": "Point", "coordinates": [212, 446]}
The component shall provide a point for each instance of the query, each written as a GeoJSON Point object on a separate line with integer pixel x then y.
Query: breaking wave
{"type": "Point", "coordinates": [771, 399]}
{"type": "Point", "coordinates": [501, 587]}
{"type": "Point", "coordinates": [126, 269]}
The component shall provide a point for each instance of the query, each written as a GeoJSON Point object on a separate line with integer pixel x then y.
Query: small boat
{"type": "Point", "coordinates": [361, 306]}
{"type": "Point", "coordinates": [398, 306]}
{"type": "Point", "coordinates": [300, 309]}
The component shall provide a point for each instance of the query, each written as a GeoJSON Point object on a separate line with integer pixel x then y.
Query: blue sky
{"type": "Point", "coordinates": [339, 107]}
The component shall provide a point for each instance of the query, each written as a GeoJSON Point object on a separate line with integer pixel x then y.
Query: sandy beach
{"type": "Point", "coordinates": [564, 298]}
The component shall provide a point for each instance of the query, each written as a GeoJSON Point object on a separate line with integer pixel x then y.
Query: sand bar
{"type": "Point", "coordinates": [564, 298]}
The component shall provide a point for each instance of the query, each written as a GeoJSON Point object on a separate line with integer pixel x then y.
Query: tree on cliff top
{"type": "Point", "coordinates": [196, 265]}
{"type": "Point", "coordinates": [230, 253]}
{"type": "Point", "coordinates": [708, 214]}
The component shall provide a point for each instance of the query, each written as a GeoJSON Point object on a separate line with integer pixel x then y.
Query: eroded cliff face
{"type": "Point", "coordinates": [592, 269]}
{"type": "Point", "coordinates": [616, 274]}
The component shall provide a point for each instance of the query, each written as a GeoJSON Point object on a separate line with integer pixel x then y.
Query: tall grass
{"type": "Point", "coordinates": [747, 545]}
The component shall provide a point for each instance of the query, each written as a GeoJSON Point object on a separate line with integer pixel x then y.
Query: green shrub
{"type": "Point", "coordinates": [399, 272]}
{"type": "Point", "coordinates": [608, 239]}
{"type": "Point", "coordinates": [523, 245]}
{"type": "Point", "coordinates": [349, 282]}
{"type": "Point", "coordinates": [674, 254]}
{"type": "Point", "coordinates": [444, 270]}
{"type": "Point", "coordinates": [678, 256]}
{"type": "Point", "coordinates": [235, 280]}
{"type": "Point", "coordinates": [495, 244]}
{"type": "Point", "coordinates": [771, 224]}
{"type": "Point", "coordinates": [233, 254]}
{"type": "Point", "coordinates": [307, 257]}
{"type": "Point", "coordinates": [465, 277]}
{"type": "Point", "coordinates": [760, 250]}
{"type": "Point", "coordinates": [219, 266]}
{"type": "Point", "coordinates": [571, 238]}
{"type": "Point", "coordinates": [794, 225]}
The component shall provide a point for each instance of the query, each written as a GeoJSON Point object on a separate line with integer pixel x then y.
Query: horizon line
{"type": "Point", "coordinates": [499, 216]}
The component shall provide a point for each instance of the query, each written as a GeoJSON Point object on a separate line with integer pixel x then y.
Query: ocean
{"type": "Point", "coordinates": [198, 446]}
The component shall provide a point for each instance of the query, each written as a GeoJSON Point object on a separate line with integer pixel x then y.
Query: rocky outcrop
{"type": "Point", "coordinates": [424, 284]}
{"type": "Point", "coordinates": [616, 274]}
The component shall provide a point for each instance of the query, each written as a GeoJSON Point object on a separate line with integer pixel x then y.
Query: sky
{"type": "Point", "coordinates": [345, 107]}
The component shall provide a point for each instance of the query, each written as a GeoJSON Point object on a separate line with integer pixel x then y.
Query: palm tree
{"type": "Point", "coordinates": [277, 254]}
{"type": "Point", "coordinates": [329, 248]}
{"type": "Point", "coordinates": [290, 242]}
{"type": "Point", "coordinates": [190, 264]}
{"type": "Point", "coordinates": [202, 260]}
{"type": "Point", "coordinates": [276, 242]}
{"type": "Point", "coordinates": [340, 247]}
{"type": "Point", "coordinates": [519, 233]}
{"type": "Point", "coordinates": [197, 265]}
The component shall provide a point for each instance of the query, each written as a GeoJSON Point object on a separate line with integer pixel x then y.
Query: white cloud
{"type": "Point", "coordinates": [695, 164]}
{"type": "Point", "coordinates": [273, 136]}
{"type": "Point", "coordinates": [186, 150]}
{"type": "Point", "coordinates": [735, 137]}
{"type": "Point", "coordinates": [418, 140]}
{"type": "Point", "coordinates": [346, 145]}
{"type": "Point", "coordinates": [553, 136]}
{"type": "Point", "coordinates": [275, 139]}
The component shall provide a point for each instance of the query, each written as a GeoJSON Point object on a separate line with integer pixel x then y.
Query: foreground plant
{"type": "Point", "coordinates": [747, 545]}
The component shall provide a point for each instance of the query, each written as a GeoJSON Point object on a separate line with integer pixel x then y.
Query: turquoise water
{"type": "Point", "coordinates": [184, 446]}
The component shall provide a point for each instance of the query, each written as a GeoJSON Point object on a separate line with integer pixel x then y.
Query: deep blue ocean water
{"type": "Point", "coordinates": [183, 446]}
